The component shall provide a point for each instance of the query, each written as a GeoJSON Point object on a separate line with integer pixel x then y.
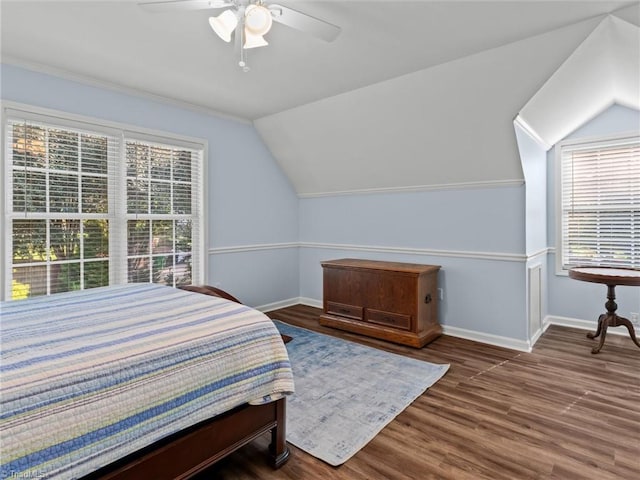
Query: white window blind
{"type": "Point", "coordinates": [88, 207]}
{"type": "Point", "coordinates": [59, 220]}
{"type": "Point", "coordinates": [162, 182]}
{"type": "Point", "coordinates": [600, 202]}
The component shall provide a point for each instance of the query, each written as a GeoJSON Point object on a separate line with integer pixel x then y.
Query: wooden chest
{"type": "Point", "coordinates": [392, 301]}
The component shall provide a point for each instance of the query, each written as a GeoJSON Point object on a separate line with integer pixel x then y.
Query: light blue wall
{"type": "Point", "coordinates": [476, 235]}
{"type": "Point", "coordinates": [480, 236]}
{"type": "Point", "coordinates": [250, 200]}
{"type": "Point", "coordinates": [469, 219]}
{"type": "Point", "coordinates": [567, 297]}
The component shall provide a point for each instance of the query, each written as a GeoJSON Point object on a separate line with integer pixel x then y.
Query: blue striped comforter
{"type": "Point", "coordinates": [89, 377]}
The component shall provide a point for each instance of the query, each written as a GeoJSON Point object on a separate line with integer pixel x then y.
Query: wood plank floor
{"type": "Point", "coordinates": [556, 413]}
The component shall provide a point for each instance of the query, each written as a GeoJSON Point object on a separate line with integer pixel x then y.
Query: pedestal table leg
{"type": "Point", "coordinates": [606, 319]}
{"type": "Point", "coordinates": [599, 329]}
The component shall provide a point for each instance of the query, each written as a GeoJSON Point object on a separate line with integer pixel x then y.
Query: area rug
{"type": "Point", "coordinates": [346, 393]}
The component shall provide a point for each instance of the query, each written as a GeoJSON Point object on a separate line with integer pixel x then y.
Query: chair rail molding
{"type": "Point", "coordinates": [252, 248]}
{"type": "Point", "coordinates": [493, 256]}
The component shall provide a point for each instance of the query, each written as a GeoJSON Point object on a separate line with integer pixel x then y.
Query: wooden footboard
{"type": "Point", "coordinates": [189, 452]}
{"type": "Point", "coordinates": [208, 290]}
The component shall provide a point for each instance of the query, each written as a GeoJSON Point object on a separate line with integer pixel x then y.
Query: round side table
{"type": "Point", "coordinates": [611, 277]}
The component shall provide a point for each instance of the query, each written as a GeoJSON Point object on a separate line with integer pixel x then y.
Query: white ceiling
{"type": "Point", "coordinates": [604, 69]}
{"type": "Point", "coordinates": [451, 126]}
{"type": "Point", "coordinates": [177, 56]}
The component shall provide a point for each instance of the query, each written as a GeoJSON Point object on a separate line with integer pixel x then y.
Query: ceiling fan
{"type": "Point", "coordinates": [248, 21]}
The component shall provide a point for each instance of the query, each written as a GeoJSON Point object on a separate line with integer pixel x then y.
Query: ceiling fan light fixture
{"type": "Point", "coordinates": [254, 41]}
{"type": "Point", "coordinates": [257, 20]}
{"type": "Point", "coordinates": [224, 24]}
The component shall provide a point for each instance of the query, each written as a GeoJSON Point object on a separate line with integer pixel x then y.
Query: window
{"type": "Point", "coordinates": [600, 203]}
{"type": "Point", "coordinates": [159, 213]}
{"type": "Point", "coordinates": [90, 205]}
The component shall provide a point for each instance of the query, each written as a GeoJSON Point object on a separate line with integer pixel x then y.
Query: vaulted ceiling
{"type": "Point", "coordinates": [411, 93]}
{"type": "Point", "coordinates": [604, 69]}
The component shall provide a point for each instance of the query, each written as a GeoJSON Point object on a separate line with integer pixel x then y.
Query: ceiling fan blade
{"type": "Point", "coordinates": [306, 23]}
{"type": "Point", "coordinates": [167, 5]}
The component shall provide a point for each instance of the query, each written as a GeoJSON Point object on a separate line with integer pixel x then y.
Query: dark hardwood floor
{"type": "Point", "coordinates": [556, 413]}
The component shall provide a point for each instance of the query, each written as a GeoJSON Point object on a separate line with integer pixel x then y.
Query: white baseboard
{"type": "Point", "coordinates": [581, 324]}
{"type": "Point", "coordinates": [490, 339]}
{"type": "Point", "coordinates": [311, 302]}
{"type": "Point", "coordinates": [277, 305]}
{"type": "Point", "coordinates": [497, 340]}
{"type": "Point", "coordinates": [289, 303]}
{"type": "Point", "coordinates": [536, 336]}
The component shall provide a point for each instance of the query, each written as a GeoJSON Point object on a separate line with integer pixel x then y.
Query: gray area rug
{"type": "Point", "coordinates": [346, 393]}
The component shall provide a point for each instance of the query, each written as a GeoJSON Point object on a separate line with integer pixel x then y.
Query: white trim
{"type": "Point", "coordinates": [534, 304]}
{"type": "Point", "coordinates": [558, 209]}
{"type": "Point", "coordinates": [278, 305]}
{"type": "Point", "coordinates": [5, 249]}
{"type": "Point", "coordinates": [204, 214]}
{"type": "Point", "coordinates": [520, 122]}
{"type": "Point", "coordinates": [290, 302]}
{"type": "Point", "coordinates": [581, 324]}
{"type": "Point", "coordinates": [539, 253]}
{"type": "Point", "coordinates": [558, 273]}
{"type": "Point", "coordinates": [497, 340]}
{"type": "Point", "coordinates": [310, 302]}
{"type": "Point", "coordinates": [497, 256]}
{"type": "Point", "coordinates": [252, 248]}
{"type": "Point", "coordinates": [536, 336]}
{"type": "Point", "coordinates": [501, 257]}
{"type": "Point", "coordinates": [418, 188]}
{"type": "Point", "coordinates": [597, 139]}
{"type": "Point", "coordinates": [114, 87]}
{"type": "Point", "coordinates": [490, 339]}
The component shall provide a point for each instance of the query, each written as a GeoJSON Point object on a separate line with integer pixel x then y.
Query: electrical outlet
{"type": "Point", "coordinates": [634, 319]}
{"type": "Point", "coordinates": [441, 294]}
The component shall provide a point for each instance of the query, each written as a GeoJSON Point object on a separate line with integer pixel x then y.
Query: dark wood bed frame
{"type": "Point", "coordinates": [191, 451]}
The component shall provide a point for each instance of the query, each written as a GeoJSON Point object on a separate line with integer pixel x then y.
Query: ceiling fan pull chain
{"type": "Point", "coordinates": [242, 63]}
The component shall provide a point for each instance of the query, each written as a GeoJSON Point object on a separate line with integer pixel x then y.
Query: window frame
{"type": "Point", "coordinates": [123, 133]}
{"type": "Point", "coordinates": [559, 147]}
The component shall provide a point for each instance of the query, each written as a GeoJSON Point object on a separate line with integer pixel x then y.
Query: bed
{"type": "Point", "coordinates": [136, 381]}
